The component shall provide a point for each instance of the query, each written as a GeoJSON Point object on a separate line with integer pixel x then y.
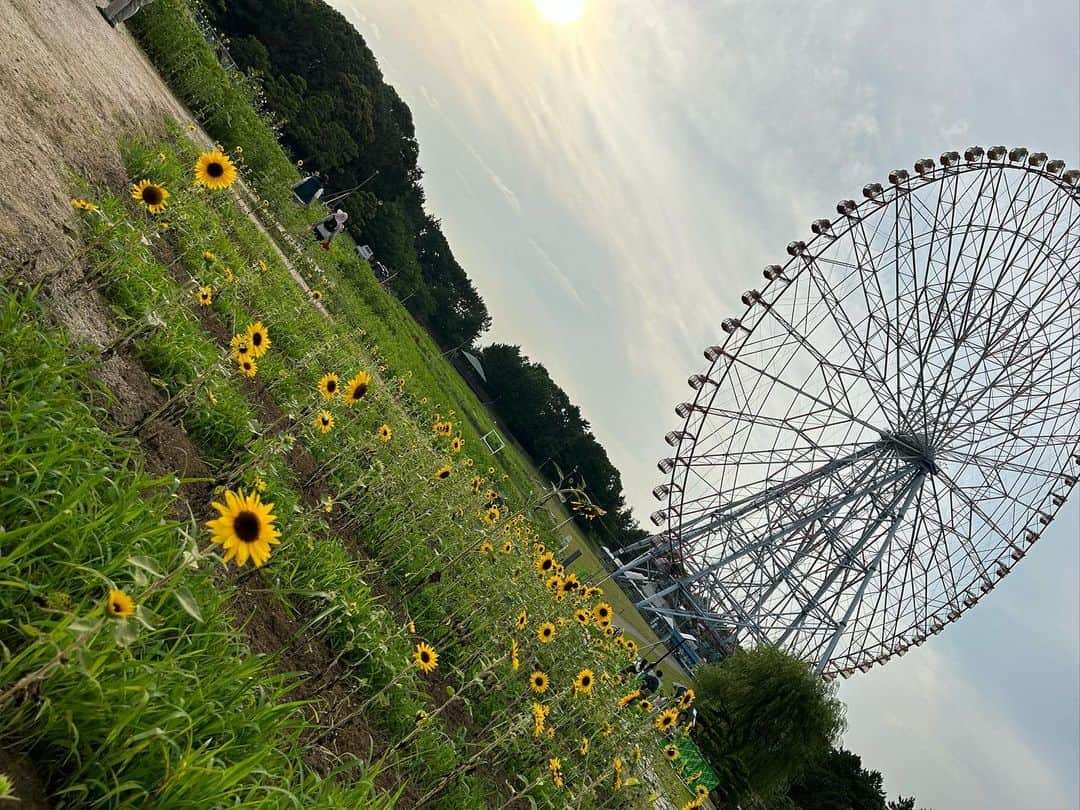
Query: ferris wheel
{"type": "Point", "coordinates": [890, 424]}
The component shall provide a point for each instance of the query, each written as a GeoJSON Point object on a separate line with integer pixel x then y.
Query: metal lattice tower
{"type": "Point", "coordinates": [890, 424]}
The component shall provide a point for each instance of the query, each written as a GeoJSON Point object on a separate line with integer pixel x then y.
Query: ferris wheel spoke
{"type": "Point", "coordinates": [830, 406]}
{"type": "Point", "coordinates": [1031, 273]}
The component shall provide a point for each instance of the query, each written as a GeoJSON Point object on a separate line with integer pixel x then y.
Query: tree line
{"type": "Point", "coordinates": [551, 428]}
{"type": "Point", "coordinates": [341, 118]}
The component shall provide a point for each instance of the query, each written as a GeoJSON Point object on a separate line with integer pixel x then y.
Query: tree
{"type": "Point", "coordinates": [900, 803]}
{"type": "Point", "coordinates": [765, 717]}
{"type": "Point", "coordinates": [838, 780]}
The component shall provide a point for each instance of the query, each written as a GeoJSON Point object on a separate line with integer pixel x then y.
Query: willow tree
{"type": "Point", "coordinates": [764, 717]}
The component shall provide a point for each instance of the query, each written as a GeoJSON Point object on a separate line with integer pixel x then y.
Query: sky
{"type": "Point", "coordinates": [613, 184]}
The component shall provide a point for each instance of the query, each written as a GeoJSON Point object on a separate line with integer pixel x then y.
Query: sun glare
{"type": "Point", "coordinates": [561, 11]}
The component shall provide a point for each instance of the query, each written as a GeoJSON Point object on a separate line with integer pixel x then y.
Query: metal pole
{"type": "Point", "coordinates": [913, 488]}
{"type": "Point", "coordinates": [766, 541]}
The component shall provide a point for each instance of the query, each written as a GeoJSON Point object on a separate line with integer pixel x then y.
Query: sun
{"type": "Point", "coordinates": [561, 11]}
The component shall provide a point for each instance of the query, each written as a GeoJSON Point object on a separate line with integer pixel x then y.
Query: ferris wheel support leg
{"type": "Point", "coordinates": [863, 541]}
{"type": "Point", "coordinates": [913, 489]}
{"type": "Point", "coordinates": [750, 548]}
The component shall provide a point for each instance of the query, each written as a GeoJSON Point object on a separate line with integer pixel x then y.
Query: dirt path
{"type": "Point", "coordinates": [68, 84]}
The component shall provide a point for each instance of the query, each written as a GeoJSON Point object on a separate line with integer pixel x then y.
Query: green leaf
{"type": "Point", "coordinates": [188, 603]}
{"type": "Point", "coordinates": [125, 632]}
{"type": "Point", "coordinates": [145, 563]}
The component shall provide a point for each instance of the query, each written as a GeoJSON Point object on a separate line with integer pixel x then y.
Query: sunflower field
{"type": "Point", "coordinates": [294, 577]}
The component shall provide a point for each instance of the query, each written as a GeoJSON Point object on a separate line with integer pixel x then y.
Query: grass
{"type": "Point", "coordinates": [119, 712]}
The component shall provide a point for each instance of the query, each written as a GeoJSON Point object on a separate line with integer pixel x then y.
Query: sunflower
{"type": "Point", "coordinates": [686, 699]}
{"type": "Point", "coordinates": [583, 682]}
{"type": "Point", "coordinates": [357, 387]}
{"type": "Point", "coordinates": [457, 444]}
{"type": "Point", "coordinates": [477, 482]}
{"type": "Point", "coordinates": [491, 516]}
{"type": "Point", "coordinates": [583, 749]}
{"type": "Point", "coordinates": [701, 791]}
{"type": "Point", "coordinates": [205, 296]}
{"type": "Point", "coordinates": [538, 682]}
{"type": "Point", "coordinates": [556, 771]}
{"type": "Point", "coordinates": [444, 428]}
{"type": "Point", "coordinates": [665, 721]}
{"type": "Point", "coordinates": [602, 612]}
{"type": "Point", "coordinates": [258, 337]}
{"type": "Point", "coordinates": [209, 256]}
{"type": "Point", "coordinates": [248, 367]}
{"type": "Point", "coordinates": [325, 422]}
{"type": "Point", "coordinates": [240, 347]}
{"type": "Point", "coordinates": [83, 205]}
{"type": "Point", "coordinates": [629, 645]}
{"type": "Point", "coordinates": [385, 433]}
{"type": "Point", "coordinates": [425, 658]}
{"type": "Point", "coordinates": [515, 662]}
{"type": "Point", "coordinates": [421, 716]}
{"type": "Point", "coordinates": [245, 528]}
{"type": "Point", "coordinates": [150, 195]}
{"type": "Point", "coordinates": [539, 714]}
{"type": "Point", "coordinates": [316, 295]}
{"type": "Point", "coordinates": [545, 563]}
{"type": "Point", "coordinates": [582, 616]}
{"type": "Point", "coordinates": [546, 632]}
{"type": "Point", "coordinates": [443, 472]}
{"type": "Point", "coordinates": [486, 548]}
{"type": "Point", "coordinates": [229, 277]}
{"type": "Point", "coordinates": [609, 631]}
{"type": "Point", "coordinates": [570, 583]}
{"type": "Point", "coordinates": [120, 605]}
{"type": "Point", "coordinates": [260, 484]}
{"type": "Point", "coordinates": [507, 547]}
{"type": "Point", "coordinates": [645, 706]}
{"type": "Point", "coordinates": [553, 583]}
{"type": "Point", "coordinates": [671, 753]}
{"type": "Point", "coordinates": [263, 266]}
{"type": "Point", "coordinates": [629, 698]}
{"type": "Point", "coordinates": [522, 620]}
{"type": "Point", "coordinates": [617, 765]}
{"type": "Point", "coordinates": [328, 386]}
{"type": "Point", "coordinates": [215, 170]}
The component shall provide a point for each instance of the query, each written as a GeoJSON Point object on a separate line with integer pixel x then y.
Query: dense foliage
{"type": "Point", "coordinates": [551, 427]}
{"type": "Point", "coordinates": [765, 716]}
{"type": "Point", "coordinates": [344, 121]}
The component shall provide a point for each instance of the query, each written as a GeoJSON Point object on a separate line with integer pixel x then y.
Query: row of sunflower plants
{"type": "Point", "coordinates": [429, 528]}
{"type": "Point", "coordinates": [121, 677]}
{"type": "Point", "coordinates": [226, 106]}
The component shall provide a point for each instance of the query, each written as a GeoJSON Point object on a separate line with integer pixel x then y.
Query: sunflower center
{"type": "Point", "coordinates": [256, 339]}
{"type": "Point", "coordinates": [331, 386]}
{"type": "Point", "coordinates": [151, 195]}
{"type": "Point", "coordinates": [247, 526]}
{"type": "Point", "coordinates": [359, 391]}
{"type": "Point", "coordinates": [215, 169]}
{"type": "Point", "coordinates": [424, 656]}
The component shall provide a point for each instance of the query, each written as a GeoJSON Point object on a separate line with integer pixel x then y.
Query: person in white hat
{"type": "Point", "coordinates": [330, 227]}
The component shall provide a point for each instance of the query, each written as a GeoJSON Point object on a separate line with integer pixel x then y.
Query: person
{"type": "Point", "coordinates": [119, 10]}
{"type": "Point", "coordinates": [330, 227]}
{"type": "Point", "coordinates": [635, 668]}
{"type": "Point", "coordinates": [650, 681]}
